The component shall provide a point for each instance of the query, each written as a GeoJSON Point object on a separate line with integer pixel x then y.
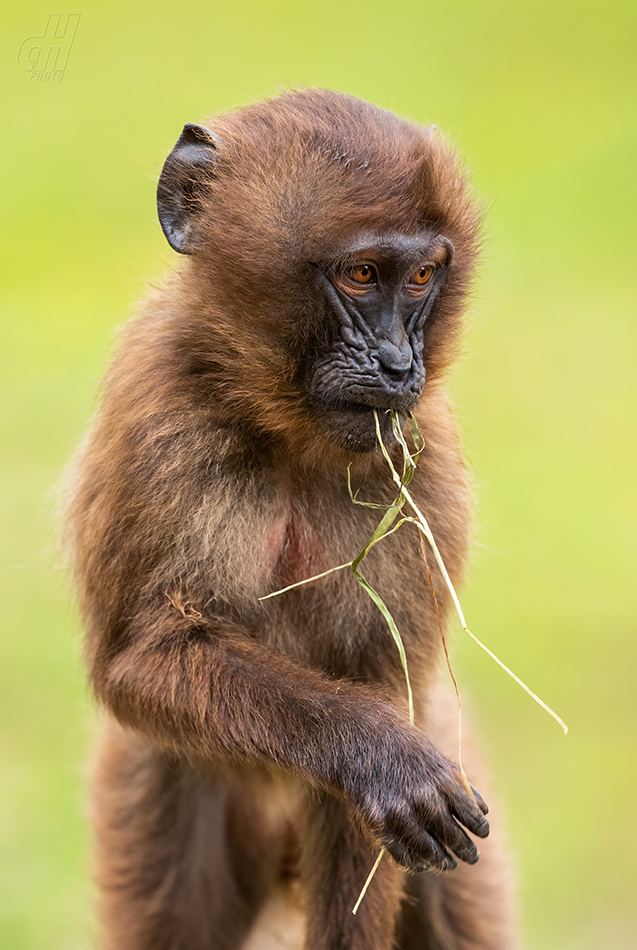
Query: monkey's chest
{"type": "Point", "coordinates": [330, 622]}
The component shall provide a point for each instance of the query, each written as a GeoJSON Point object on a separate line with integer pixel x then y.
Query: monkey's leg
{"type": "Point", "coordinates": [470, 908]}
{"type": "Point", "coordinates": [465, 909]}
{"type": "Point", "coordinates": [335, 864]}
{"type": "Point", "coordinates": [172, 870]}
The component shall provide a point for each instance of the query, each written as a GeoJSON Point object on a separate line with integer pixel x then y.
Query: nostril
{"type": "Point", "coordinates": [397, 359]}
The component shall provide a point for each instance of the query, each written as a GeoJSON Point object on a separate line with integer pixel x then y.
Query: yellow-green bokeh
{"type": "Point", "coordinates": [541, 98]}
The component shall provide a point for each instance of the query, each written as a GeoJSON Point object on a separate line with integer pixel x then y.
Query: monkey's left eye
{"type": "Point", "coordinates": [422, 276]}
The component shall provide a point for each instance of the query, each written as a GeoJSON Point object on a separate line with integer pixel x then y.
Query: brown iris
{"type": "Point", "coordinates": [361, 274]}
{"type": "Point", "coordinates": [422, 276]}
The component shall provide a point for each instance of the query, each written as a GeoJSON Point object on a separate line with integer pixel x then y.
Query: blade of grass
{"type": "Point", "coordinates": [423, 526]}
{"type": "Point", "coordinates": [449, 667]}
{"type": "Point", "coordinates": [370, 876]}
{"type": "Point", "coordinates": [306, 580]}
{"type": "Point", "coordinates": [394, 632]}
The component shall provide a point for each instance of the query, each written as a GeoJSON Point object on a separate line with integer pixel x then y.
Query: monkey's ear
{"type": "Point", "coordinates": [186, 170]}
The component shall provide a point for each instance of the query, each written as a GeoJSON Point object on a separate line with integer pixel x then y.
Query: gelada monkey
{"type": "Point", "coordinates": [257, 751]}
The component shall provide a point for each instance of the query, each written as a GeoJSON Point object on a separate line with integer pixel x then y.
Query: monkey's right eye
{"type": "Point", "coordinates": [361, 274]}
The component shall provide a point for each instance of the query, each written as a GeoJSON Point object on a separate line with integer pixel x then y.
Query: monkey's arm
{"type": "Point", "coordinates": [210, 691]}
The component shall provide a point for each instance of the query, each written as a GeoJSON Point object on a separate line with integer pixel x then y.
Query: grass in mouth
{"type": "Point", "coordinates": [393, 518]}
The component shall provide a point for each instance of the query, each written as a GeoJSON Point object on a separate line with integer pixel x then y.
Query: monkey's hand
{"type": "Point", "coordinates": [413, 800]}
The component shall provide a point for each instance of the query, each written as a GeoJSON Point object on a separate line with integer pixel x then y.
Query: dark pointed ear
{"type": "Point", "coordinates": [181, 183]}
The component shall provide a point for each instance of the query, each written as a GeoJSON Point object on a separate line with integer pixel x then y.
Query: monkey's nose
{"type": "Point", "coordinates": [395, 358]}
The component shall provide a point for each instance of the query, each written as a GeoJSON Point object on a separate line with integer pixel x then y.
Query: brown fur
{"type": "Point", "coordinates": [250, 742]}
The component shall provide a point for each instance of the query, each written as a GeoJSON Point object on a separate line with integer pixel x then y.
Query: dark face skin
{"type": "Point", "coordinates": [379, 293]}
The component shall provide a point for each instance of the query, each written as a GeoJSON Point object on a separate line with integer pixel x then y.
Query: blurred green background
{"type": "Point", "coordinates": [541, 99]}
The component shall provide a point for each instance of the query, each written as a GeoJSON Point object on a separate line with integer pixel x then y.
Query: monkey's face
{"type": "Point", "coordinates": [378, 296]}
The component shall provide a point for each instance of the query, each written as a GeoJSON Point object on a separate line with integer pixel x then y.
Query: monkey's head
{"type": "Point", "coordinates": [330, 246]}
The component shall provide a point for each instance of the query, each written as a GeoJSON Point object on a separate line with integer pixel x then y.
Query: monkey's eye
{"type": "Point", "coordinates": [361, 274]}
{"type": "Point", "coordinates": [422, 276]}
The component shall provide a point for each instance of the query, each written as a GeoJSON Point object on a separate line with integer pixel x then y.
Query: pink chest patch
{"type": "Point", "coordinates": [294, 551]}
